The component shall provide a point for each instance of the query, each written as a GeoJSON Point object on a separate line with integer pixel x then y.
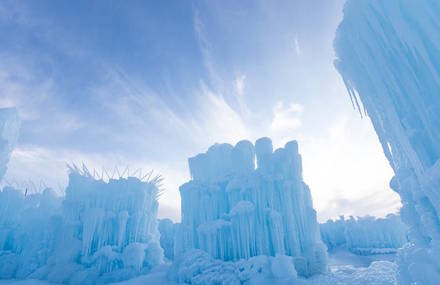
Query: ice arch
{"type": "Point", "coordinates": [388, 53]}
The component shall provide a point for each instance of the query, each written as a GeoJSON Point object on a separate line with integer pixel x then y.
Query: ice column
{"type": "Point", "coordinates": [233, 210]}
{"type": "Point", "coordinates": [389, 58]}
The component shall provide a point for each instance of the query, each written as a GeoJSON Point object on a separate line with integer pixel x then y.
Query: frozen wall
{"type": "Point", "coordinates": [389, 57]}
{"type": "Point", "coordinates": [9, 128]}
{"type": "Point", "coordinates": [100, 232]}
{"type": "Point", "coordinates": [167, 231]}
{"type": "Point", "coordinates": [365, 235]}
{"type": "Point", "coordinates": [233, 211]}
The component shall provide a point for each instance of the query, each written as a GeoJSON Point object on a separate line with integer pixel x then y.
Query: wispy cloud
{"type": "Point", "coordinates": [286, 118]}
{"type": "Point", "coordinates": [298, 50]}
{"type": "Point", "coordinates": [239, 83]}
{"type": "Point", "coordinates": [83, 99]}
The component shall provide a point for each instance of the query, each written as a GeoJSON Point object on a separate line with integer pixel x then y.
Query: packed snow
{"type": "Point", "coordinates": [388, 55]}
{"type": "Point", "coordinates": [233, 210]}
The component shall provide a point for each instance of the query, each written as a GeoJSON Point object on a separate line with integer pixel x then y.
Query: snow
{"type": "Point", "coordinates": [365, 235]}
{"type": "Point", "coordinates": [388, 55]}
{"type": "Point", "coordinates": [9, 129]}
{"type": "Point", "coordinates": [198, 267]}
{"type": "Point", "coordinates": [233, 211]}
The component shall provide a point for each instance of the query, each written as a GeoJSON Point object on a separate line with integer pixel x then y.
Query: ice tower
{"type": "Point", "coordinates": [9, 127]}
{"type": "Point", "coordinates": [100, 232]}
{"type": "Point", "coordinates": [233, 210]}
{"type": "Point", "coordinates": [389, 57]}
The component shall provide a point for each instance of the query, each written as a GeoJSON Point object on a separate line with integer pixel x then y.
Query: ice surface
{"type": "Point", "coordinates": [167, 231]}
{"type": "Point", "coordinates": [9, 128]}
{"type": "Point", "coordinates": [100, 232]}
{"type": "Point", "coordinates": [366, 235]}
{"type": "Point", "coordinates": [389, 57]}
{"type": "Point", "coordinates": [233, 211]}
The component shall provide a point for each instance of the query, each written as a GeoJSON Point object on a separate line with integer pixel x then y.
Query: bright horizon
{"type": "Point", "coordinates": [152, 84]}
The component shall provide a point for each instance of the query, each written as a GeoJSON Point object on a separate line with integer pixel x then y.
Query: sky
{"type": "Point", "coordinates": [147, 84]}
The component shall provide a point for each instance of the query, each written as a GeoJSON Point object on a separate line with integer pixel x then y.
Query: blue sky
{"type": "Point", "coordinates": [150, 83]}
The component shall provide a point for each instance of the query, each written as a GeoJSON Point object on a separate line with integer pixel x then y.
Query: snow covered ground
{"type": "Point", "coordinates": [378, 273]}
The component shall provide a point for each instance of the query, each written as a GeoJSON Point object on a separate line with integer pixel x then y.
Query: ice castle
{"type": "Point", "coordinates": [234, 210]}
{"type": "Point", "coordinates": [389, 57]}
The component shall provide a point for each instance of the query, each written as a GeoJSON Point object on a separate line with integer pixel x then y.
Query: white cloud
{"type": "Point", "coordinates": [219, 120]}
{"type": "Point", "coordinates": [239, 83]}
{"type": "Point", "coordinates": [298, 50]}
{"type": "Point", "coordinates": [286, 118]}
{"type": "Point", "coordinates": [347, 171]}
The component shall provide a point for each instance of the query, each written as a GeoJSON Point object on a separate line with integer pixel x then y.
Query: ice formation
{"type": "Point", "coordinates": [9, 128]}
{"type": "Point", "coordinates": [233, 211]}
{"type": "Point", "coordinates": [198, 267]}
{"type": "Point", "coordinates": [167, 231]}
{"type": "Point", "coordinates": [365, 235]}
{"type": "Point", "coordinates": [99, 233]}
{"type": "Point", "coordinates": [389, 57]}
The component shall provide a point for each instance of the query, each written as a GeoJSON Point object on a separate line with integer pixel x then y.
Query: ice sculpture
{"type": "Point", "coordinates": [167, 231]}
{"type": "Point", "coordinates": [365, 235]}
{"type": "Point", "coordinates": [233, 211]}
{"type": "Point", "coordinates": [100, 232]}
{"type": "Point", "coordinates": [389, 57]}
{"type": "Point", "coordinates": [9, 128]}
{"type": "Point", "coordinates": [28, 227]}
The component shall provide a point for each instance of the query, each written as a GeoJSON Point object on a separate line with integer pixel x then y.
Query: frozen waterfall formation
{"type": "Point", "coordinates": [233, 210]}
{"type": "Point", "coordinates": [389, 57]}
{"type": "Point", "coordinates": [100, 232]}
{"type": "Point", "coordinates": [9, 127]}
{"type": "Point", "coordinates": [365, 235]}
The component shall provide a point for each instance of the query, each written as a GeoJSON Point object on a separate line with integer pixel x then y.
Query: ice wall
{"type": "Point", "coordinates": [28, 229]}
{"type": "Point", "coordinates": [389, 57]}
{"type": "Point", "coordinates": [9, 128]}
{"type": "Point", "coordinates": [167, 231]}
{"type": "Point", "coordinates": [365, 235]}
{"type": "Point", "coordinates": [100, 232]}
{"type": "Point", "coordinates": [233, 211]}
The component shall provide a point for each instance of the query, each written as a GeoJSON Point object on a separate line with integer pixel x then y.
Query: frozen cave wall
{"type": "Point", "coordinates": [9, 129]}
{"type": "Point", "coordinates": [100, 232]}
{"type": "Point", "coordinates": [388, 53]}
{"type": "Point", "coordinates": [365, 235]}
{"type": "Point", "coordinates": [233, 210]}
